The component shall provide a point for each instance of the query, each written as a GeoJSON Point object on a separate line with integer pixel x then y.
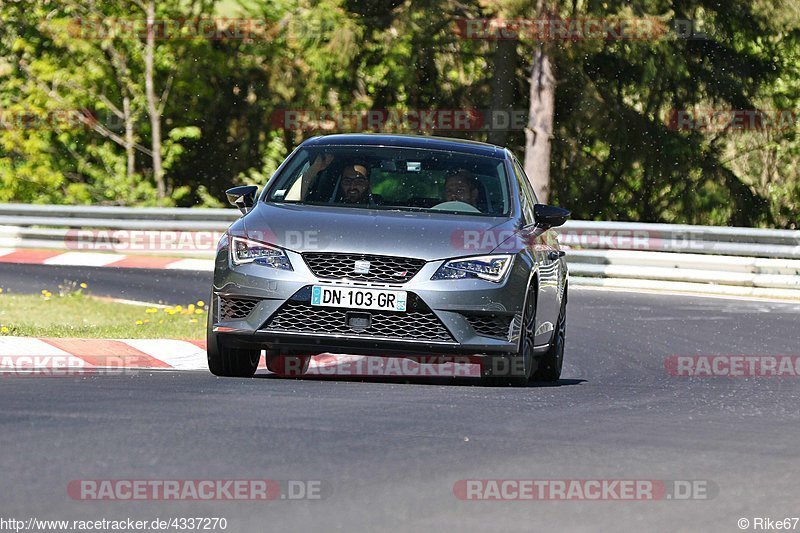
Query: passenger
{"type": "Point", "coordinates": [462, 186]}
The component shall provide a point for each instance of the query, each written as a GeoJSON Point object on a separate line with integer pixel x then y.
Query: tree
{"type": "Point", "coordinates": [541, 113]}
{"type": "Point", "coordinates": [155, 105]}
{"type": "Point", "coordinates": [600, 139]}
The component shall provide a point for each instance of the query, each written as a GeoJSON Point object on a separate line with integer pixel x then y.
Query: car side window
{"type": "Point", "coordinates": [528, 185]}
{"type": "Point", "coordinates": [526, 198]}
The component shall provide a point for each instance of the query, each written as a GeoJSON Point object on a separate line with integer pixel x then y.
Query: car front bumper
{"type": "Point", "coordinates": [463, 308]}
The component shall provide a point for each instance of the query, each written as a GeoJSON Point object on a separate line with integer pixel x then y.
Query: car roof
{"type": "Point", "coordinates": [409, 141]}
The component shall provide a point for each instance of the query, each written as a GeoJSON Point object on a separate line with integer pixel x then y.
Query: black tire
{"type": "Point", "coordinates": [515, 370]}
{"type": "Point", "coordinates": [229, 362]}
{"type": "Point", "coordinates": [552, 361]}
{"type": "Point", "coordinates": [288, 366]}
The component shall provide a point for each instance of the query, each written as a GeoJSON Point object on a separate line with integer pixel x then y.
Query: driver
{"type": "Point", "coordinates": [320, 163]}
{"type": "Point", "coordinates": [355, 184]}
{"type": "Point", "coordinates": [462, 186]}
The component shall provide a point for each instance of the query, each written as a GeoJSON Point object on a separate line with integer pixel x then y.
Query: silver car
{"type": "Point", "coordinates": [393, 246]}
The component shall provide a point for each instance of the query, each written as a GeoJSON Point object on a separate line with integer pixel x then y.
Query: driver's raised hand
{"type": "Point", "coordinates": [320, 163]}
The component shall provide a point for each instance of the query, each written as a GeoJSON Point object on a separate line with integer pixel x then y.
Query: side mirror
{"type": "Point", "coordinates": [549, 216]}
{"type": "Point", "coordinates": [243, 197]}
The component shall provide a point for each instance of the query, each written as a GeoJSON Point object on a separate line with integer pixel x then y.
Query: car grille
{"type": "Point", "coordinates": [490, 325]}
{"type": "Point", "coordinates": [235, 308]}
{"type": "Point", "coordinates": [382, 269]}
{"type": "Point", "coordinates": [302, 317]}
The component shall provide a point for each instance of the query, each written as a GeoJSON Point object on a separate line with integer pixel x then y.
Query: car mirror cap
{"type": "Point", "coordinates": [549, 216]}
{"type": "Point", "coordinates": [242, 197]}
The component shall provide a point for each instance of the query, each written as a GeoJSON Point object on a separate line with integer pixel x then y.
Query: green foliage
{"type": "Point", "coordinates": [616, 97]}
{"type": "Point", "coordinates": [614, 155]}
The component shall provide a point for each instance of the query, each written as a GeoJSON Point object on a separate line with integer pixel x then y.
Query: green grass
{"type": "Point", "coordinates": [75, 314]}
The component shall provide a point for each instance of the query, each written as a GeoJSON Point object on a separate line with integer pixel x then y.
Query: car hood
{"type": "Point", "coordinates": [423, 235]}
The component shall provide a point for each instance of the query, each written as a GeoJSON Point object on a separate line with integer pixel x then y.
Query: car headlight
{"type": "Point", "coordinates": [247, 251]}
{"type": "Point", "coordinates": [488, 267]}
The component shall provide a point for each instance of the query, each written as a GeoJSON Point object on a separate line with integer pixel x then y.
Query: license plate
{"type": "Point", "coordinates": [356, 298]}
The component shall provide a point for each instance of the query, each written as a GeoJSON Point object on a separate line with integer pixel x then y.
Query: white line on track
{"type": "Point", "coordinates": [82, 259]}
{"type": "Point", "coordinates": [203, 265]}
{"type": "Point", "coordinates": [180, 355]}
{"type": "Point", "coordinates": [28, 346]}
{"type": "Point", "coordinates": [683, 293]}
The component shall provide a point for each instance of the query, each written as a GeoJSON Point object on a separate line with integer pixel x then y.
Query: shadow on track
{"type": "Point", "coordinates": [420, 380]}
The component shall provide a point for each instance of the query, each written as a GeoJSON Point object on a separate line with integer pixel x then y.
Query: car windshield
{"type": "Point", "coordinates": [394, 178]}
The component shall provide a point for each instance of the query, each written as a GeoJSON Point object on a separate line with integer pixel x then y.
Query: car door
{"type": "Point", "coordinates": [543, 246]}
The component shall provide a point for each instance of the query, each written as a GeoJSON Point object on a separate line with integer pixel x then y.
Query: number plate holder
{"type": "Point", "coordinates": [359, 298]}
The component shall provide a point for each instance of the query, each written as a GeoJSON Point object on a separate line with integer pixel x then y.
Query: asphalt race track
{"type": "Point", "coordinates": [173, 287]}
{"type": "Point", "coordinates": [389, 452]}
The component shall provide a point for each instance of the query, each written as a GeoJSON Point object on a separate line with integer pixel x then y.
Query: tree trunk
{"type": "Point", "coordinates": [129, 150]}
{"type": "Point", "coordinates": [152, 101]}
{"type": "Point", "coordinates": [541, 114]}
{"type": "Point", "coordinates": [503, 81]}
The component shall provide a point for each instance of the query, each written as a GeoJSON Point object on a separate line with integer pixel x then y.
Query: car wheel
{"type": "Point", "coordinates": [227, 361]}
{"type": "Point", "coordinates": [288, 366]}
{"type": "Point", "coordinates": [552, 361]}
{"type": "Point", "coordinates": [515, 370]}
